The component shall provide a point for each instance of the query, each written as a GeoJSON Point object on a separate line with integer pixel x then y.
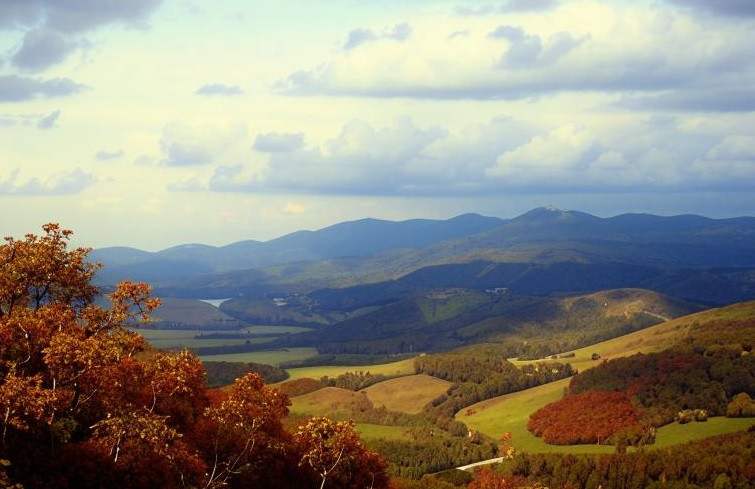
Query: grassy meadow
{"type": "Point", "coordinates": [406, 394]}
{"type": "Point", "coordinates": [403, 367]}
{"type": "Point", "coordinates": [274, 357]}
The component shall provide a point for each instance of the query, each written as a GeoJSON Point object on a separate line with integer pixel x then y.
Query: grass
{"type": "Point", "coordinates": [675, 433]}
{"type": "Point", "coordinates": [378, 431]}
{"type": "Point", "coordinates": [175, 339]}
{"type": "Point", "coordinates": [268, 357]}
{"type": "Point", "coordinates": [406, 394]}
{"type": "Point", "coordinates": [510, 413]}
{"type": "Point", "coordinates": [403, 367]}
{"type": "Point", "coordinates": [329, 401]}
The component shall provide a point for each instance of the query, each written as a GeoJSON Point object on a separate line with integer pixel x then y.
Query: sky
{"type": "Point", "coordinates": [151, 123]}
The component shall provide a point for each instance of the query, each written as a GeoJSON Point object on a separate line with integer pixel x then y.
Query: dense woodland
{"type": "Point", "coordinates": [480, 373]}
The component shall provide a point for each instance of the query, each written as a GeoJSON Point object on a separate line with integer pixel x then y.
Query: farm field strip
{"type": "Point", "coordinates": [274, 357]}
{"type": "Point", "coordinates": [403, 367]}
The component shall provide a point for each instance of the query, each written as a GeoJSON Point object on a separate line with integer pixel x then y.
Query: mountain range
{"type": "Point", "coordinates": [541, 252]}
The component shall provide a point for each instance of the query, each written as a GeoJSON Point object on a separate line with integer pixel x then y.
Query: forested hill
{"type": "Point", "coordinates": [543, 251]}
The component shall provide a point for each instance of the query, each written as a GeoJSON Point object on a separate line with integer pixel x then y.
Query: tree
{"type": "Point", "coordinates": [334, 452]}
{"type": "Point", "coordinates": [85, 402]}
{"type": "Point", "coordinates": [70, 380]}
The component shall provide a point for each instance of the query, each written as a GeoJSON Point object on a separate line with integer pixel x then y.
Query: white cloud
{"type": "Point", "coordinates": [59, 183]}
{"type": "Point", "coordinates": [185, 145]}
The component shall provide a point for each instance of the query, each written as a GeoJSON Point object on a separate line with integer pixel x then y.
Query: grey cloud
{"type": "Point", "coordinates": [184, 154]}
{"type": "Point", "coordinates": [15, 88]}
{"type": "Point", "coordinates": [455, 34]}
{"type": "Point", "coordinates": [500, 156]}
{"type": "Point", "coordinates": [357, 37]}
{"type": "Point", "coordinates": [104, 155]}
{"type": "Point", "coordinates": [740, 98]}
{"type": "Point", "coordinates": [78, 16]}
{"type": "Point", "coordinates": [8, 121]}
{"type": "Point", "coordinates": [360, 160]}
{"type": "Point", "coordinates": [48, 122]}
{"type": "Point", "coordinates": [527, 50]}
{"type": "Point", "coordinates": [218, 89]}
{"type": "Point", "coordinates": [42, 49]}
{"type": "Point", "coordinates": [509, 6]}
{"type": "Point", "coordinates": [275, 142]}
{"type": "Point", "coordinates": [63, 183]}
{"type": "Point", "coordinates": [724, 7]}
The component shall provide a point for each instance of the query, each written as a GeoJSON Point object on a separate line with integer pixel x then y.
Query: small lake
{"type": "Point", "coordinates": [214, 302]}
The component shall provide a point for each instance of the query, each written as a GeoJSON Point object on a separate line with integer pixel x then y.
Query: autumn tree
{"type": "Point", "coordinates": [336, 454]}
{"type": "Point", "coordinates": [70, 379]}
{"type": "Point", "coordinates": [85, 402]}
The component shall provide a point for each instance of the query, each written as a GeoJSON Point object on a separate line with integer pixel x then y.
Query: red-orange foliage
{"type": "Point", "coordinates": [84, 403]}
{"type": "Point", "coordinates": [485, 478]}
{"type": "Point", "coordinates": [591, 417]}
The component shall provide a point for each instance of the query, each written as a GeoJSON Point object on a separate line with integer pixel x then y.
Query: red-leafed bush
{"type": "Point", "coordinates": [591, 417]}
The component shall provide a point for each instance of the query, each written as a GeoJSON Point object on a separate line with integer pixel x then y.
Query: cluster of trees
{"type": "Point", "coordinates": [224, 373]}
{"type": "Point", "coordinates": [481, 373]}
{"type": "Point", "coordinates": [590, 417]}
{"type": "Point", "coordinates": [663, 384]}
{"type": "Point", "coordinates": [354, 381]}
{"type": "Point", "coordinates": [724, 461]}
{"type": "Point", "coordinates": [84, 402]}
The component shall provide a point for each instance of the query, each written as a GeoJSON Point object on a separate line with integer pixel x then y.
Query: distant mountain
{"type": "Point", "coordinates": [543, 251]}
{"type": "Point", "coordinates": [360, 238]}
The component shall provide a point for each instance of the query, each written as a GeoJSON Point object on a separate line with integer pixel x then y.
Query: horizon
{"type": "Point", "coordinates": [546, 207]}
{"type": "Point", "coordinates": [160, 122]}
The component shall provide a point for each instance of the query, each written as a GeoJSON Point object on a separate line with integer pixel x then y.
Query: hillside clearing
{"type": "Point", "coordinates": [403, 367]}
{"type": "Point", "coordinates": [406, 394]}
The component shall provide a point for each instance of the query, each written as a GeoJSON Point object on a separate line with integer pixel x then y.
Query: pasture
{"type": "Point", "coordinates": [269, 357]}
{"type": "Point", "coordinates": [403, 367]}
{"type": "Point", "coordinates": [407, 394]}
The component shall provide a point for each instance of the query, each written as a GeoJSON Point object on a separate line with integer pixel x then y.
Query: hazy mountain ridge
{"type": "Point", "coordinates": [542, 251]}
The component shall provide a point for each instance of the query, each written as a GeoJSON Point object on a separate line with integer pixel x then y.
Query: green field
{"type": "Point", "coordinates": [675, 433]}
{"type": "Point", "coordinates": [175, 339]}
{"type": "Point", "coordinates": [406, 394]}
{"type": "Point", "coordinates": [268, 357]}
{"type": "Point", "coordinates": [403, 367]}
{"type": "Point", "coordinates": [377, 431]}
{"type": "Point", "coordinates": [510, 413]}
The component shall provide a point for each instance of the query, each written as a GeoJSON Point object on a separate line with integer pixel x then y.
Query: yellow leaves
{"type": "Point", "coordinates": [24, 403]}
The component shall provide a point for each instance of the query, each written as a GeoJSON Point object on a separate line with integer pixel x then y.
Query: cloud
{"type": "Point", "coordinates": [357, 37]}
{"type": "Point", "coordinates": [184, 145]}
{"type": "Point", "coordinates": [61, 183]}
{"type": "Point", "coordinates": [507, 7]}
{"type": "Point", "coordinates": [734, 147]}
{"type": "Point", "coordinates": [74, 16]}
{"type": "Point", "coordinates": [276, 142]}
{"type": "Point", "coordinates": [360, 160]}
{"type": "Point", "coordinates": [42, 49]}
{"type": "Point", "coordinates": [723, 98]}
{"type": "Point", "coordinates": [48, 122]}
{"type": "Point", "coordinates": [673, 59]}
{"type": "Point", "coordinates": [737, 8]}
{"type": "Point", "coordinates": [15, 88]}
{"type": "Point", "coordinates": [545, 157]}
{"type": "Point", "coordinates": [218, 89]}
{"type": "Point", "coordinates": [104, 155]}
